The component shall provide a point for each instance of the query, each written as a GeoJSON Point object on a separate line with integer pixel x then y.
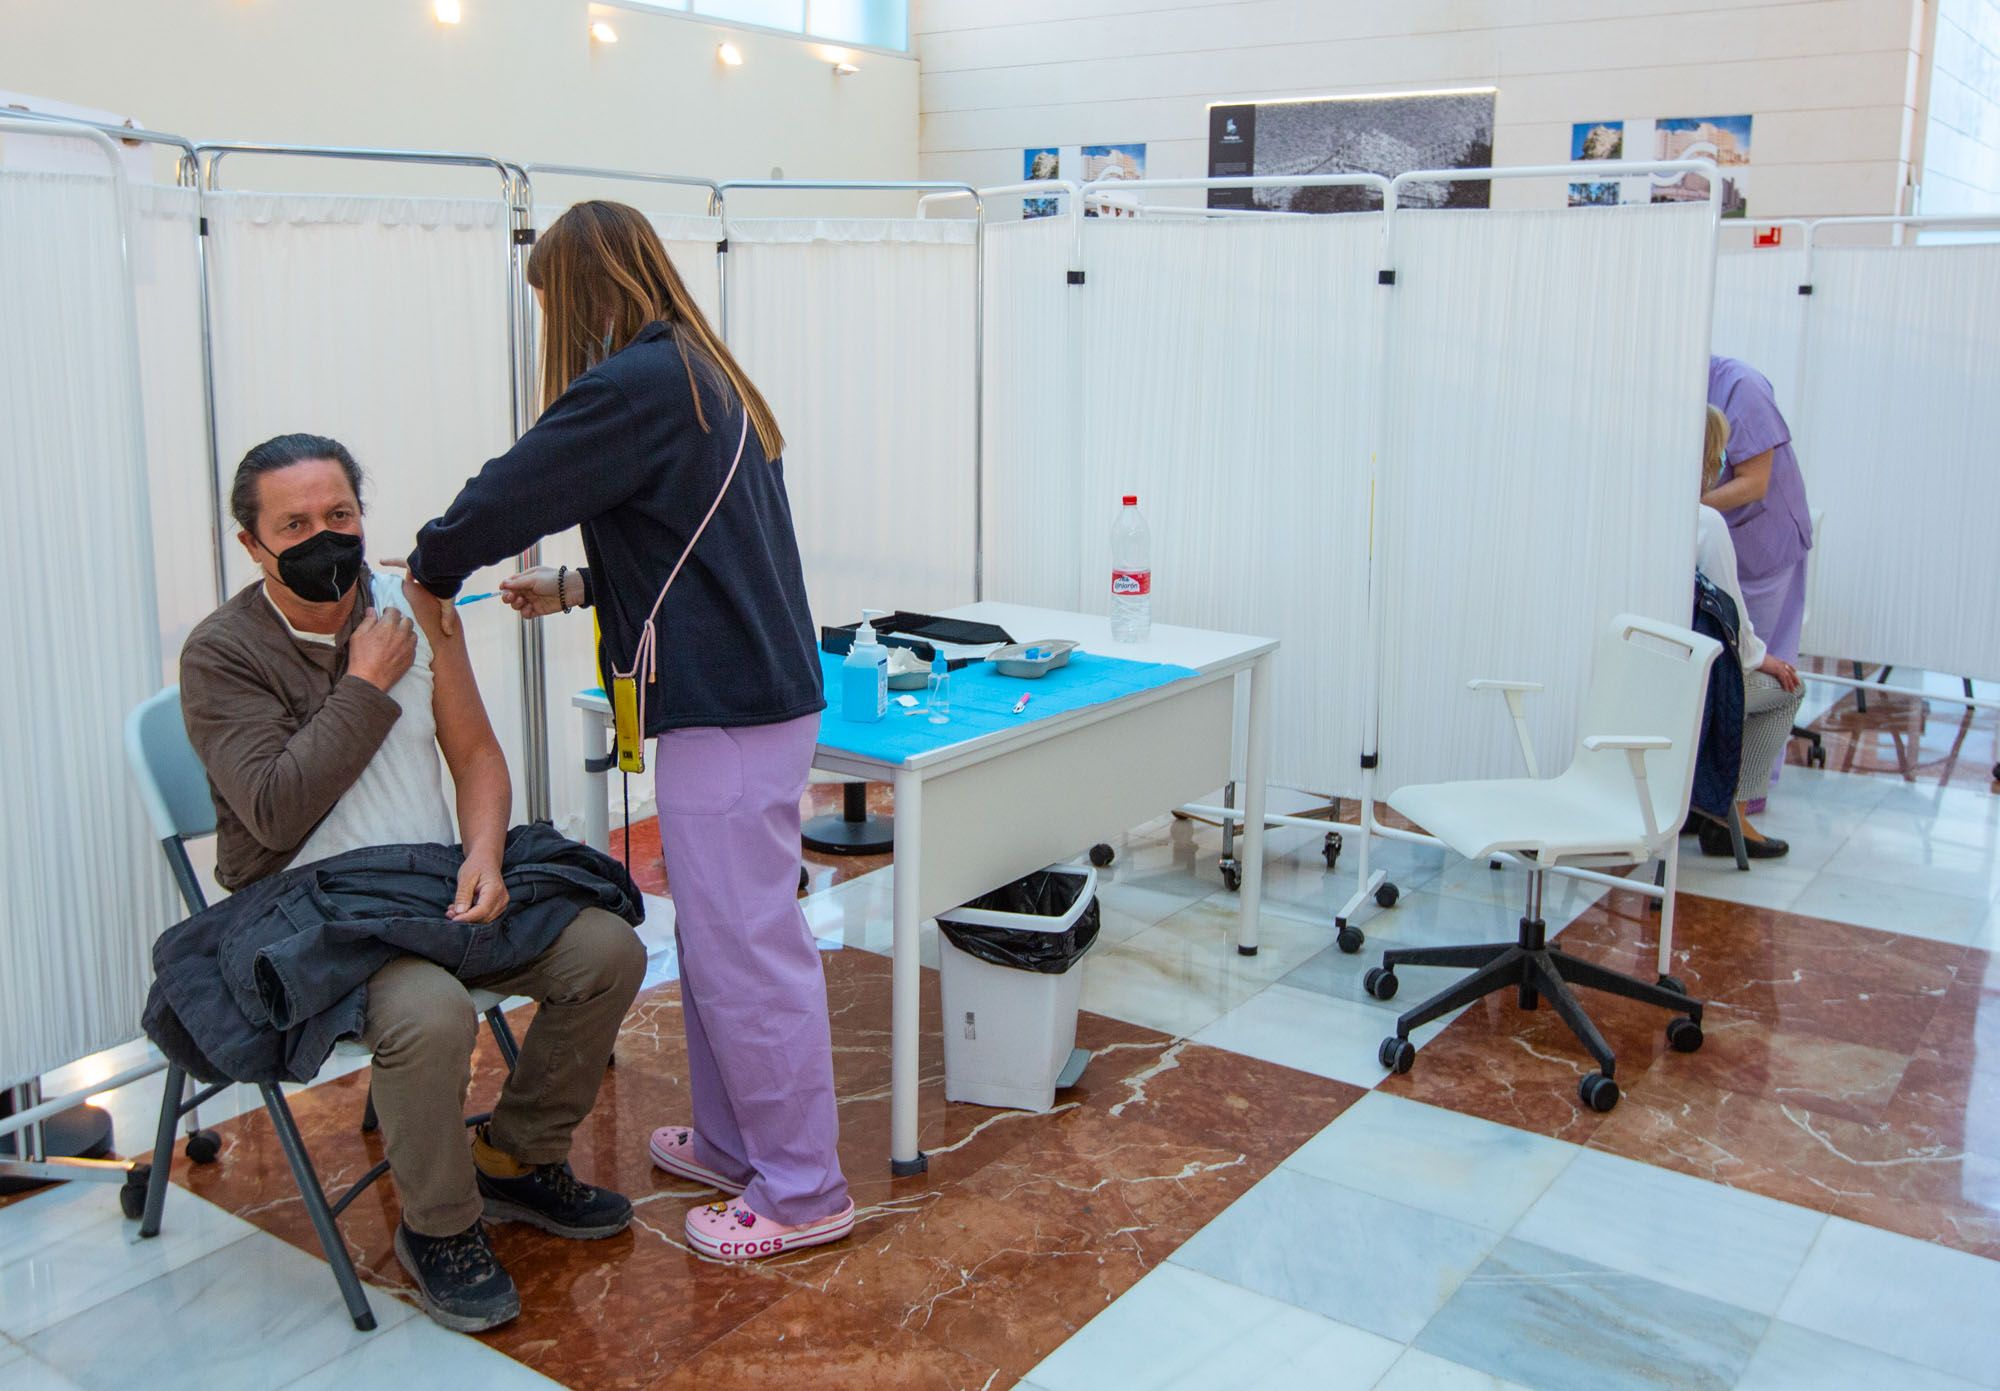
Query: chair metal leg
{"type": "Point", "coordinates": [1860, 693]}
{"type": "Point", "coordinates": [1592, 976]}
{"type": "Point", "coordinates": [503, 1035]}
{"type": "Point", "coordinates": [171, 1097]}
{"type": "Point", "coordinates": [1736, 837]}
{"type": "Point", "coordinates": [1478, 954]}
{"type": "Point", "coordinates": [370, 1122]}
{"type": "Point", "coordinates": [1551, 984]}
{"type": "Point", "coordinates": [330, 1241]}
{"type": "Point", "coordinates": [1498, 974]}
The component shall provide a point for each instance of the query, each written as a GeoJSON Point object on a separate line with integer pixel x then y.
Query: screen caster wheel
{"type": "Point", "coordinates": [1598, 1092]}
{"type": "Point", "coordinates": [1386, 896]}
{"type": "Point", "coordinates": [1396, 1054]}
{"type": "Point", "coordinates": [1102, 855]}
{"type": "Point", "coordinates": [1232, 875]}
{"type": "Point", "coordinates": [1673, 983]}
{"type": "Point", "coordinates": [203, 1147]}
{"type": "Point", "coordinates": [1330, 849]}
{"type": "Point", "coordinates": [1350, 939]}
{"type": "Point", "coordinates": [1380, 982]}
{"type": "Point", "coordinates": [1683, 1034]}
{"type": "Point", "coordinates": [132, 1193]}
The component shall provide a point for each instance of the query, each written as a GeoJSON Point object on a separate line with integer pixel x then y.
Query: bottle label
{"type": "Point", "coordinates": [1131, 583]}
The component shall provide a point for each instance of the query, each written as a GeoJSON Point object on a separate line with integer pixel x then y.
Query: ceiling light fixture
{"type": "Point", "coordinates": [447, 11]}
{"type": "Point", "coordinates": [730, 54]}
{"type": "Point", "coordinates": [844, 70]}
{"type": "Point", "coordinates": [603, 32]}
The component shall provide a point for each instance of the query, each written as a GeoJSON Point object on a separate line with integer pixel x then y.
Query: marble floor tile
{"type": "Point", "coordinates": [65, 1252]}
{"type": "Point", "coordinates": [1311, 1032]}
{"type": "Point", "coordinates": [1705, 1238]}
{"type": "Point", "coordinates": [1911, 1299]}
{"type": "Point", "coordinates": [1420, 919]}
{"type": "Point", "coordinates": [1420, 1371]}
{"type": "Point", "coordinates": [24, 1373]}
{"type": "Point", "coordinates": [1562, 1324]}
{"type": "Point", "coordinates": [1562, 897]}
{"type": "Point", "coordinates": [417, 1352]}
{"type": "Point", "coordinates": [1766, 884]}
{"type": "Point", "coordinates": [1457, 1166]}
{"type": "Point", "coordinates": [1178, 993]}
{"type": "Point", "coordinates": [1204, 937]}
{"type": "Point", "coordinates": [1955, 858]}
{"type": "Point", "coordinates": [1796, 1359]}
{"type": "Point", "coordinates": [1353, 1257]}
{"type": "Point", "coordinates": [1178, 1328]}
{"type": "Point", "coordinates": [1915, 912]}
{"type": "Point", "coordinates": [266, 1312]}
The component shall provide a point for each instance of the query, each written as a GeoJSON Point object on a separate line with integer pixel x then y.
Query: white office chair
{"type": "Point", "coordinates": [1621, 801]}
{"type": "Point", "coordinates": [174, 788]}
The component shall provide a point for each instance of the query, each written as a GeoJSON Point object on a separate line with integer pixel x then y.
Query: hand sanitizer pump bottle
{"type": "Point", "coordinates": [864, 676]}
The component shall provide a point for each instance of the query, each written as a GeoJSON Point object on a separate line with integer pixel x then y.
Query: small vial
{"type": "Point", "coordinates": [940, 690]}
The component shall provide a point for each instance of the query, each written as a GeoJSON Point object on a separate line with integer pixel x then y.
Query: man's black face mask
{"type": "Point", "coordinates": [321, 568]}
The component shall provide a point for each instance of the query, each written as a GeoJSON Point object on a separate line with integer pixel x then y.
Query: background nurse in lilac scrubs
{"type": "Point", "coordinates": [1763, 498]}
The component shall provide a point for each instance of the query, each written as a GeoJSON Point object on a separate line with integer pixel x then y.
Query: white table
{"type": "Point", "coordinates": [975, 815]}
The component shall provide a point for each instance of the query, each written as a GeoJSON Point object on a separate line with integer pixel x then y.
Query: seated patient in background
{"type": "Point", "coordinates": [318, 699]}
{"type": "Point", "coordinates": [1771, 686]}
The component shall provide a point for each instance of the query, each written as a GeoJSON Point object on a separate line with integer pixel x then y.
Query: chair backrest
{"type": "Point", "coordinates": [172, 784]}
{"type": "Point", "coordinates": [1648, 678]}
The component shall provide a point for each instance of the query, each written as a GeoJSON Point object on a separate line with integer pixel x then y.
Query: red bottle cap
{"type": "Point", "coordinates": [1131, 499]}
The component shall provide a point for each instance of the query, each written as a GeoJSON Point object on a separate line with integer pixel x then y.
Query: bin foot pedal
{"type": "Point", "coordinates": [1079, 1058]}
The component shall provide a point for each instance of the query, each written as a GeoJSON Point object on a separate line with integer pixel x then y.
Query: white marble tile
{"type": "Point", "coordinates": [1635, 1218]}
{"type": "Point", "coordinates": [1178, 1328]}
{"type": "Point", "coordinates": [1795, 1359]}
{"type": "Point", "coordinates": [1911, 1299]}
{"type": "Point", "coordinates": [1921, 803]}
{"type": "Point", "coordinates": [1302, 887]}
{"type": "Point", "coordinates": [1455, 1165]}
{"type": "Point", "coordinates": [24, 1373]}
{"type": "Point", "coordinates": [1562, 897]}
{"type": "Point", "coordinates": [265, 1314]}
{"type": "Point", "coordinates": [80, 1251]}
{"type": "Point", "coordinates": [656, 929]}
{"type": "Point", "coordinates": [1913, 911]}
{"type": "Point", "coordinates": [417, 1352]}
{"type": "Point", "coordinates": [1312, 1032]}
{"type": "Point", "coordinates": [1562, 1324]}
{"type": "Point", "coordinates": [1204, 936]}
{"type": "Point", "coordinates": [1945, 858]}
{"type": "Point", "coordinates": [1766, 884]}
{"type": "Point", "coordinates": [1420, 919]}
{"type": "Point", "coordinates": [1175, 996]}
{"type": "Point", "coordinates": [1351, 1256]}
{"type": "Point", "coordinates": [1420, 1371]}
{"type": "Point", "coordinates": [10, 1351]}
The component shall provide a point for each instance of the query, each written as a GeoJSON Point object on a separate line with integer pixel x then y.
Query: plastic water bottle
{"type": "Point", "coordinates": [1131, 575]}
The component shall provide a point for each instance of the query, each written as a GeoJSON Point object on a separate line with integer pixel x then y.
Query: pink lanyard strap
{"type": "Point", "coordinates": [647, 653]}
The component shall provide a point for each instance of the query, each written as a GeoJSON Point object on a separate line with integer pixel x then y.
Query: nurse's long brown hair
{"type": "Point", "coordinates": [602, 265]}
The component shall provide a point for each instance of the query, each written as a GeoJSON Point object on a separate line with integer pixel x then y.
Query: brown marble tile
{"type": "Point", "coordinates": [818, 1340]}
{"type": "Point", "coordinates": [1055, 1213]}
{"type": "Point", "coordinates": [1904, 737]}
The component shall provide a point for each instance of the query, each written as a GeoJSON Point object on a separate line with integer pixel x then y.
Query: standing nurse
{"type": "Point", "coordinates": [1763, 498]}
{"type": "Point", "coordinates": [656, 444]}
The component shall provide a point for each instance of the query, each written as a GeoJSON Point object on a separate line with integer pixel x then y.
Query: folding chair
{"type": "Point", "coordinates": [174, 787]}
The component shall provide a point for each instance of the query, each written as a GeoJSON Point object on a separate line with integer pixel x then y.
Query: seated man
{"type": "Point", "coordinates": [318, 708]}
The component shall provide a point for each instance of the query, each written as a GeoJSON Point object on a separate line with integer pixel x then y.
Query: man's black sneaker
{"type": "Point", "coordinates": [460, 1282]}
{"type": "Point", "coordinates": [549, 1196]}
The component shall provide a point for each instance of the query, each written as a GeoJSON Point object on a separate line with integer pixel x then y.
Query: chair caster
{"type": "Point", "coordinates": [203, 1147]}
{"type": "Point", "coordinates": [132, 1193]}
{"type": "Point", "coordinates": [1350, 938]}
{"type": "Point", "coordinates": [1396, 1054]}
{"type": "Point", "coordinates": [1102, 855]}
{"type": "Point", "coordinates": [1330, 850]}
{"type": "Point", "coordinates": [1380, 982]}
{"type": "Point", "coordinates": [1996, 769]}
{"type": "Point", "coordinates": [1683, 1034]}
{"type": "Point", "coordinates": [1232, 875]}
{"type": "Point", "coordinates": [1386, 896]}
{"type": "Point", "coordinates": [1673, 983]}
{"type": "Point", "coordinates": [1599, 1092]}
{"type": "Point", "coordinates": [1817, 759]}
{"type": "Point", "coordinates": [805, 879]}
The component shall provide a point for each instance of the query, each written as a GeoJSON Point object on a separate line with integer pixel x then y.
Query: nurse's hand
{"type": "Point", "coordinates": [532, 593]}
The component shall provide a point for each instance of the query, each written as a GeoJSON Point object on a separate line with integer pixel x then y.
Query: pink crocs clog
{"type": "Point", "coordinates": [673, 1150]}
{"type": "Point", "coordinates": [732, 1232]}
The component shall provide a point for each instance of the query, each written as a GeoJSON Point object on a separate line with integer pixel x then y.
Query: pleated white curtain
{"type": "Point", "coordinates": [860, 334]}
{"type": "Point", "coordinates": [1760, 317]}
{"type": "Point", "coordinates": [1544, 392]}
{"type": "Point", "coordinates": [1034, 512]}
{"type": "Point", "coordinates": [86, 888]}
{"type": "Point", "coordinates": [1226, 374]}
{"type": "Point", "coordinates": [1900, 416]}
{"type": "Point", "coordinates": [383, 323]}
{"type": "Point", "coordinates": [164, 239]}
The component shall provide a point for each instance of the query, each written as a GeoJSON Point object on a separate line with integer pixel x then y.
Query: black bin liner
{"type": "Point", "coordinates": [1043, 894]}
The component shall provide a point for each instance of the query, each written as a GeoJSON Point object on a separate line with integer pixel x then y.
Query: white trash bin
{"type": "Point", "coordinates": [1009, 1032]}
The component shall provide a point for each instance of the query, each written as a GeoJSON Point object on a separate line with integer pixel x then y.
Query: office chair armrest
{"type": "Point", "coordinates": [1514, 691]}
{"type": "Point", "coordinates": [1635, 747]}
